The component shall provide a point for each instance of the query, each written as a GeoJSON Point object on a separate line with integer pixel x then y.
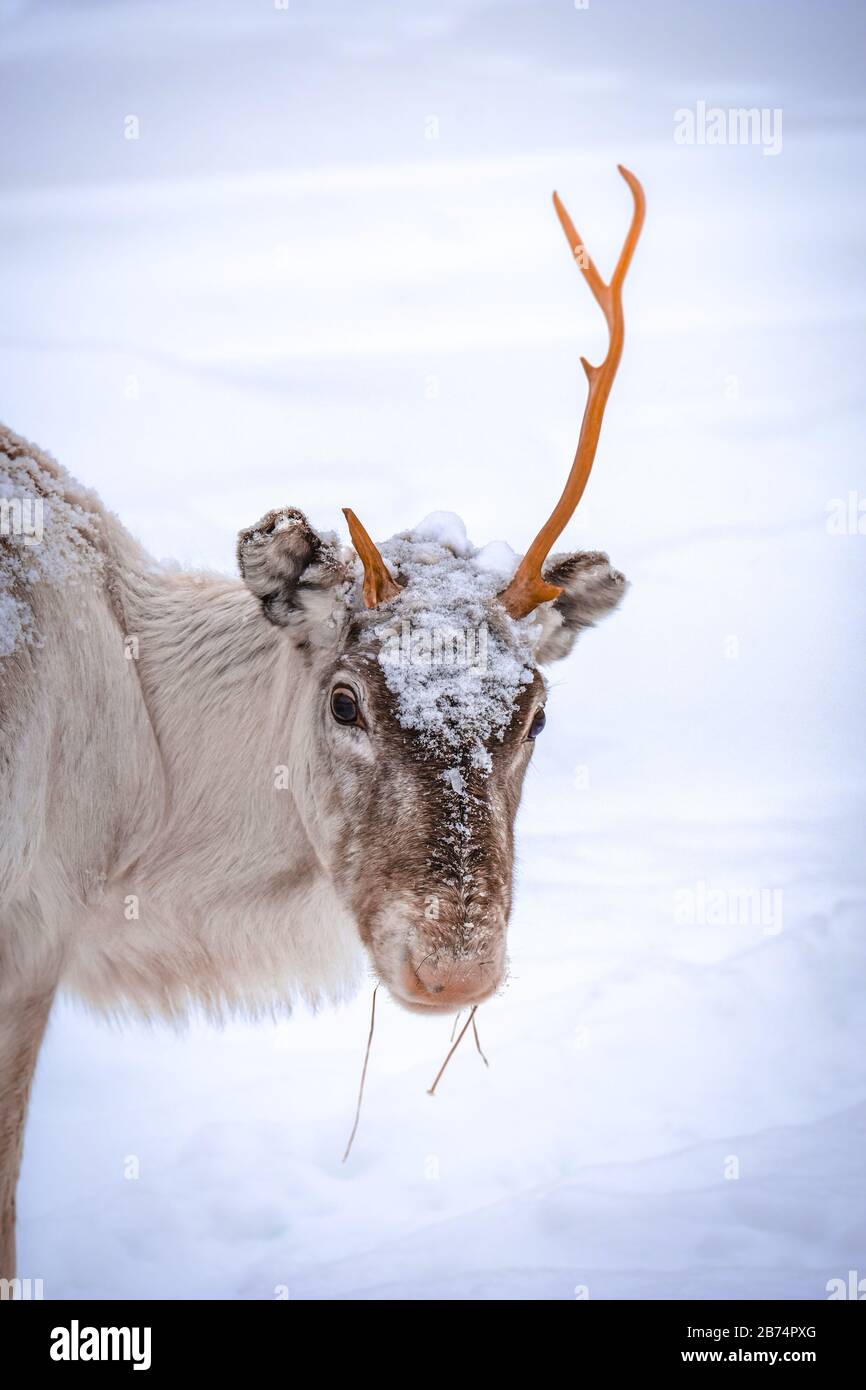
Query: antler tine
{"type": "Point", "coordinates": [378, 584]}
{"type": "Point", "coordinates": [528, 588]}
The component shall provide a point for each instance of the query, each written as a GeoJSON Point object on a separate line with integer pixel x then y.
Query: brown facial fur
{"type": "Point", "coordinates": [417, 840]}
{"type": "Point", "coordinates": [426, 867]}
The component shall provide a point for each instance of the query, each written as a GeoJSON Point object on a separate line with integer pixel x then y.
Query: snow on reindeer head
{"type": "Point", "coordinates": [424, 699]}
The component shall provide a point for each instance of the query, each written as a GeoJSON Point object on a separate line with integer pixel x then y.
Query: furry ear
{"type": "Point", "coordinates": [290, 568]}
{"type": "Point", "coordinates": [591, 588]}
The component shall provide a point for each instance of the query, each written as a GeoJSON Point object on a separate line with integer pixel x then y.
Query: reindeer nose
{"type": "Point", "coordinates": [443, 981]}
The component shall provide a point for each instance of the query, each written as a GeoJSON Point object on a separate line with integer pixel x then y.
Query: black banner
{"type": "Point", "coordinates": [75, 1338]}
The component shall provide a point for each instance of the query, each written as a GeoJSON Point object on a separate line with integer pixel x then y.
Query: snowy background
{"type": "Point", "coordinates": [327, 273]}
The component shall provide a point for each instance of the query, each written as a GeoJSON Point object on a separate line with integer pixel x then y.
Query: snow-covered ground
{"type": "Point", "coordinates": [327, 274]}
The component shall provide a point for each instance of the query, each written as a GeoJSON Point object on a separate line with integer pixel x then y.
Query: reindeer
{"type": "Point", "coordinates": [220, 793]}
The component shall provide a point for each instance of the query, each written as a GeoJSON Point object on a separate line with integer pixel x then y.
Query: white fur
{"type": "Point", "coordinates": [148, 786]}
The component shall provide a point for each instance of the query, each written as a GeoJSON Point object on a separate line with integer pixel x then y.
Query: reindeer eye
{"type": "Point", "coordinates": [539, 719]}
{"type": "Point", "coordinates": [344, 705]}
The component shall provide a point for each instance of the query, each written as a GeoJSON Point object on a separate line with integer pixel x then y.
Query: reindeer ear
{"type": "Point", "coordinates": [591, 588]}
{"type": "Point", "coordinates": [289, 567]}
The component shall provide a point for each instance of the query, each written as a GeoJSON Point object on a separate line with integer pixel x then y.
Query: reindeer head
{"type": "Point", "coordinates": [423, 699]}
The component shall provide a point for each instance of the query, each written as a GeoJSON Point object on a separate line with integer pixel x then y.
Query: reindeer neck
{"type": "Point", "coordinates": [223, 690]}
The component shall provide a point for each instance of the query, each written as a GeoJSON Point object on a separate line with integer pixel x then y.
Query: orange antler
{"type": "Point", "coordinates": [378, 584]}
{"type": "Point", "coordinates": [528, 588]}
